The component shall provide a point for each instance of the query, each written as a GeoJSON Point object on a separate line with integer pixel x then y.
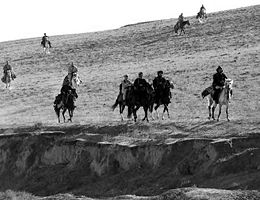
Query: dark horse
{"type": "Point", "coordinates": [122, 104]}
{"type": "Point", "coordinates": [65, 103]}
{"type": "Point", "coordinates": [181, 26]}
{"type": "Point", "coordinates": [139, 99]}
{"type": "Point", "coordinates": [163, 98]}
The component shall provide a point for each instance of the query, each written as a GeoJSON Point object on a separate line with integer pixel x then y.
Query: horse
{"type": "Point", "coordinates": [201, 15]}
{"type": "Point", "coordinates": [223, 99]}
{"type": "Point", "coordinates": [68, 104]}
{"type": "Point", "coordinates": [181, 25]}
{"type": "Point", "coordinates": [164, 99]}
{"type": "Point", "coordinates": [7, 78]}
{"type": "Point", "coordinates": [46, 44]}
{"type": "Point", "coordinates": [119, 101]}
{"type": "Point", "coordinates": [139, 99]}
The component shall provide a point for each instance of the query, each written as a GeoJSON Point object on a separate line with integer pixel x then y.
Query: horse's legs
{"type": "Point", "coordinates": [210, 102]}
{"type": "Point", "coordinates": [63, 113]}
{"type": "Point", "coordinates": [151, 111]}
{"type": "Point", "coordinates": [219, 106]}
{"type": "Point", "coordinates": [48, 50]}
{"type": "Point", "coordinates": [165, 109]}
{"type": "Point", "coordinates": [121, 110]}
{"type": "Point", "coordinates": [145, 113]}
{"type": "Point", "coordinates": [57, 110]}
{"type": "Point", "coordinates": [134, 112]}
{"type": "Point", "coordinates": [227, 112]}
{"type": "Point", "coordinates": [70, 114]}
{"type": "Point", "coordinates": [163, 113]}
{"type": "Point", "coordinates": [213, 110]}
{"type": "Point", "coordinates": [209, 108]}
{"type": "Point", "coordinates": [155, 108]}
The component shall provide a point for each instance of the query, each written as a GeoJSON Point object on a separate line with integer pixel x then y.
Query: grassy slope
{"type": "Point", "coordinates": [230, 39]}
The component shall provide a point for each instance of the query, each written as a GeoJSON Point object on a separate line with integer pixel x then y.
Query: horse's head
{"type": "Point", "coordinates": [75, 80]}
{"type": "Point", "coordinates": [169, 84]}
{"type": "Point", "coordinates": [188, 22]}
{"type": "Point", "coordinates": [149, 88]}
{"type": "Point", "coordinates": [228, 85]}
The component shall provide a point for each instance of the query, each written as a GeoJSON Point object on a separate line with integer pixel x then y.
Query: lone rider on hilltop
{"type": "Point", "coordinates": [180, 19]}
{"type": "Point", "coordinates": [202, 9]}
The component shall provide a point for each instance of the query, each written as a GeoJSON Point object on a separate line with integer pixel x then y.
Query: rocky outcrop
{"type": "Point", "coordinates": [47, 164]}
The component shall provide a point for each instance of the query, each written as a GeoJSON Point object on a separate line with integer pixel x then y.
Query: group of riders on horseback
{"type": "Point", "coordinates": [146, 95]}
{"type": "Point", "coordinates": [143, 94]}
{"type": "Point", "coordinates": [134, 95]}
{"type": "Point", "coordinates": [181, 22]}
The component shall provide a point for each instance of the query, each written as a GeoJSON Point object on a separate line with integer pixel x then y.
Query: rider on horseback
{"type": "Point", "coordinates": [45, 38]}
{"type": "Point", "coordinates": [202, 10]}
{"type": "Point", "coordinates": [159, 84]}
{"type": "Point", "coordinates": [218, 83]}
{"type": "Point", "coordinates": [123, 87]}
{"type": "Point", "coordinates": [140, 85]}
{"type": "Point", "coordinates": [67, 85]}
{"type": "Point", "coordinates": [72, 69]}
{"type": "Point", "coordinates": [180, 19]}
{"type": "Point", "coordinates": [7, 67]}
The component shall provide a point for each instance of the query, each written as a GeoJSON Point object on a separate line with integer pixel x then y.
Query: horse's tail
{"type": "Point", "coordinates": [207, 91]}
{"type": "Point", "coordinates": [115, 105]}
{"type": "Point", "coordinates": [204, 93]}
{"type": "Point", "coordinates": [175, 28]}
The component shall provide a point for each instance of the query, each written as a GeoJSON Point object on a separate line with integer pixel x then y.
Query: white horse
{"type": "Point", "coordinates": [223, 99]}
{"type": "Point", "coordinates": [7, 78]}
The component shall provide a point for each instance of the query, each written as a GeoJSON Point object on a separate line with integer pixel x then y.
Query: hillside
{"type": "Point", "coordinates": [98, 155]}
{"type": "Point", "coordinates": [229, 39]}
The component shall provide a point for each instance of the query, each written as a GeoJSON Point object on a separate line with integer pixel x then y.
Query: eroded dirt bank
{"type": "Point", "coordinates": [50, 163]}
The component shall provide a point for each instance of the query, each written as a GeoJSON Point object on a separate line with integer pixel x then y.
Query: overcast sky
{"type": "Point", "coordinates": [31, 18]}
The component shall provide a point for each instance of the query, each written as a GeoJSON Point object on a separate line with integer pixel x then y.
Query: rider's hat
{"type": "Point", "coordinates": [126, 75]}
{"type": "Point", "coordinates": [219, 69]}
{"type": "Point", "coordinates": [140, 73]}
{"type": "Point", "coordinates": [160, 72]}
